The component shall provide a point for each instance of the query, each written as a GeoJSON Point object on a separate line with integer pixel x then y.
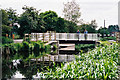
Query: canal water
{"type": "Point", "coordinates": [30, 68]}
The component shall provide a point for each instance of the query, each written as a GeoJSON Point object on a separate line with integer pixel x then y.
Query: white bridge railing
{"type": "Point", "coordinates": [61, 36]}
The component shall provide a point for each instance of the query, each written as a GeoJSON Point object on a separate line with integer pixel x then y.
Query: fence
{"type": "Point", "coordinates": [60, 36]}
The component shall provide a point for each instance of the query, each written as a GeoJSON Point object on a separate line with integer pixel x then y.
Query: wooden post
{"type": "Point", "coordinates": [55, 35]}
{"type": "Point", "coordinates": [43, 37]}
{"type": "Point", "coordinates": [50, 36]}
{"type": "Point", "coordinates": [36, 60]}
{"type": "Point", "coordinates": [36, 37]}
{"type": "Point", "coordinates": [49, 59]}
{"type": "Point", "coordinates": [25, 37]}
{"type": "Point", "coordinates": [30, 37]}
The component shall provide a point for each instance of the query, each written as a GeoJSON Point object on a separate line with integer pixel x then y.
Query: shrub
{"type": "Point", "coordinates": [108, 38]}
{"type": "Point", "coordinates": [6, 40]}
{"type": "Point", "coordinates": [84, 47]}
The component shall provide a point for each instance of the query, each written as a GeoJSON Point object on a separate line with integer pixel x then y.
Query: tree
{"type": "Point", "coordinates": [49, 20]}
{"type": "Point", "coordinates": [12, 15]}
{"type": "Point", "coordinates": [70, 27]}
{"type": "Point", "coordinates": [4, 17]}
{"type": "Point", "coordinates": [113, 28]}
{"type": "Point", "coordinates": [28, 20]}
{"type": "Point", "coordinates": [60, 25]}
{"type": "Point", "coordinates": [72, 11]}
{"type": "Point", "coordinates": [103, 31]}
{"type": "Point", "coordinates": [93, 24]}
{"type": "Point", "coordinates": [6, 30]}
{"type": "Point", "coordinates": [88, 27]}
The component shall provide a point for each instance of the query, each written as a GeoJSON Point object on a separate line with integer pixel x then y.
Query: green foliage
{"type": "Point", "coordinates": [36, 49]}
{"type": "Point", "coordinates": [61, 27]}
{"type": "Point", "coordinates": [50, 20]}
{"type": "Point", "coordinates": [54, 47]}
{"type": "Point", "coordinates": [113, 28]}
{"type": "Point", "coordinates": [84, 47]}
{"type": "Point", "coordinates": [25, 49]}
{"type": "Point", "coordinates": [6, 30]}
{"type": "Point", "coordinates": [6, 40]}
{"type": "Point", "coordinates": [28, 20]}
{"type": "Point", "coordinates": [12, 15]}
{"type": "Point", "coordinates": [8, 70]}
{"type": "Point", "coordinates": [88, 27]}
{"type": "Point", "coordinates": [103, 31]}
{"type": "Point", "coordinates": [48, 48]}
{"type": "Point", "coordinates": [4, 17]}
{"type": "Point", "coordinates": [42, 47]}
{"type": "Point", "coordinates": [100, 63]}
{"type": "Point", "coordinates": [108, 38]}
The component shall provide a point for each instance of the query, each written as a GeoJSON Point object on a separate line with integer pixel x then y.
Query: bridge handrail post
{"type": "Point", "coordinates": [36, 37]}
{"type": "Point", "coordinates": [55, 35]}
{"type": "Point", "coordinates": [50, 36]}
{"type": "Point", "coordinates": [43, 37]}
{"type": "Point", "coordinates": [30, 37]}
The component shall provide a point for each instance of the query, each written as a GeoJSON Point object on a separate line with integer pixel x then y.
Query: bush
{"type": "Point", "coordinates": [108, 38]}
{"type": "Point", "coordinates": [84, 47]}
{"type": "Point", "coordinates": [103, 39]}
{"type": "Point", "coordinates": [6, 40]}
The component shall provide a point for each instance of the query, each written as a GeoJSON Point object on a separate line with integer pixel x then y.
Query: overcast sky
{"type": "Point", "coordinates": [90, 9]}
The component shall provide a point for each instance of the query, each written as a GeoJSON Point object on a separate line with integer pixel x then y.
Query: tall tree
{"type": "Point", "coordinates": [88, 27]}
{"type": "Point", "coordinates": [49, 20]}
{"type": "Point", "coordinates": [12, 15]}
{"type": "Point", "coordinates": [4, 17]}
{"type": "Point", "coordinates": [113, 28]}
{"type": "Point", "coordinates": [72, 11]}
{"type": "Point", "coordinates": [28, 20]}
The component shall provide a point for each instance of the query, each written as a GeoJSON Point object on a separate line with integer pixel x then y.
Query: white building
{"type": "Point", "coordinates": [119, 14]}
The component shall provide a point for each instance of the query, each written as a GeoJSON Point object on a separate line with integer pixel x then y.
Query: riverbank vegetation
{"type": "Point", "coordinates": [100, 63]}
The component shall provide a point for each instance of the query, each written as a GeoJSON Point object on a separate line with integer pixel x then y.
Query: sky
{"type": "Point", "coordinates": [99, 10]}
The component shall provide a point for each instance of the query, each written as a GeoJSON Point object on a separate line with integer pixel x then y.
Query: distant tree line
{"type": "Point", "coordinates": [34, 21]}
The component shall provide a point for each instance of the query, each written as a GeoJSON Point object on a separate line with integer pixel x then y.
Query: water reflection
{"type": "Point", "coordinates": [13, 67]}
{"type": "Point", "coordinates": [28, 66]}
